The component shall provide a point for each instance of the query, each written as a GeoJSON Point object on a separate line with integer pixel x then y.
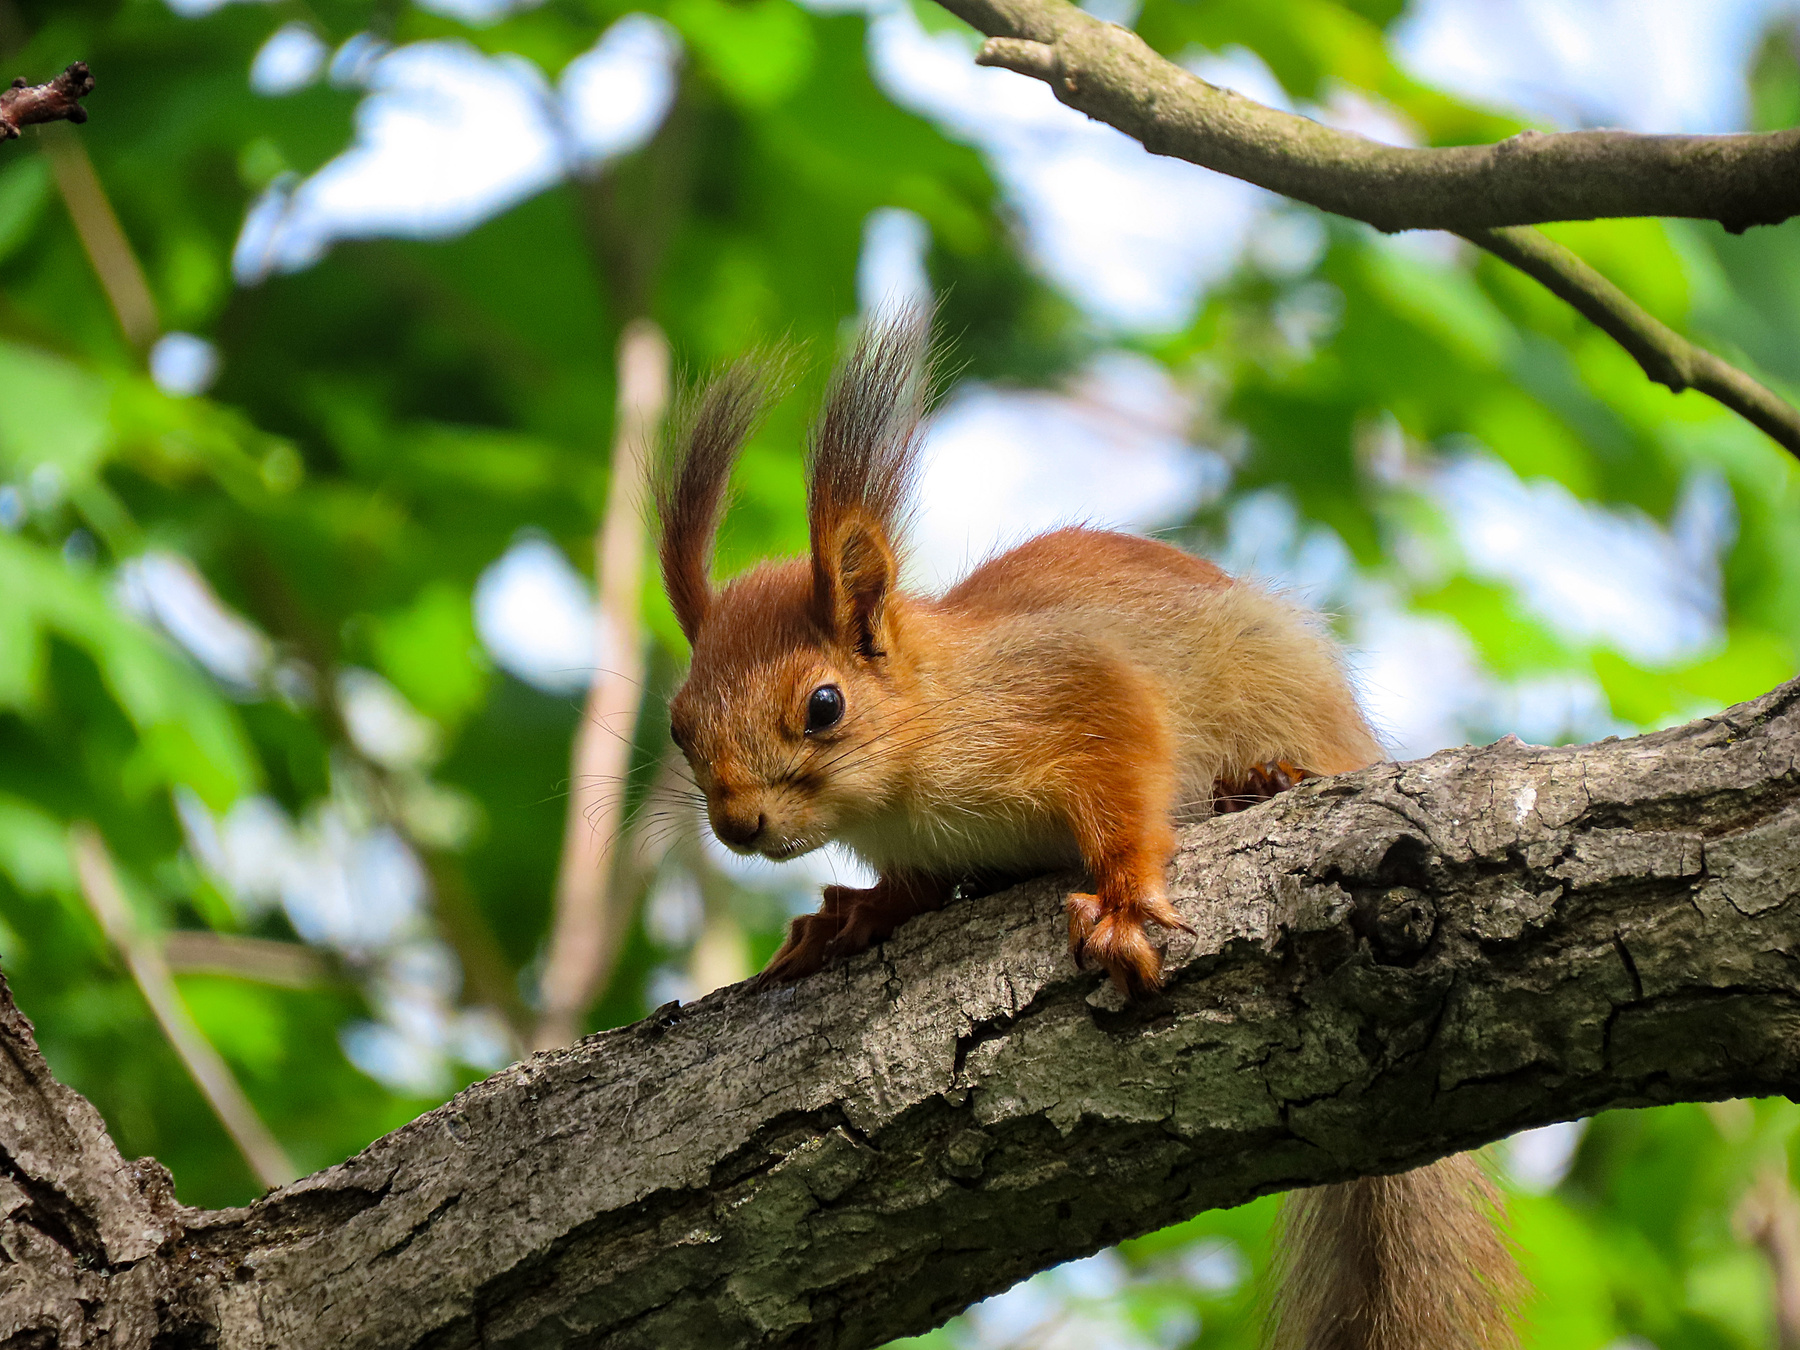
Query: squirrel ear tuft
{"type": "Point", "coordinates": [862, 461]}
{"type": "Point", "coordinates": [691, 481]}
{"type": "Point", "coordinates": [852, 583]}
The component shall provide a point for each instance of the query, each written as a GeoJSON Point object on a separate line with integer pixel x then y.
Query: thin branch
{"type": "Point", "coordinates": [114, 262]}
{"type": "Point", "coordinates": [586, 934]}
{"type": "Point", "coordinates": [1482, 192]}
{"type": "Point", "coordinates": [1769, 1216]}
{"type": "Point", "coordinates": [1114, 76]}
{"type": "Point", "coordinates": [287, 965]}
{"type": "Point", "coordinates": [144, 958]}
{"type": "Point", "coordinates": [1667, 357]}
{"type": "Point", "coordinates": [25, 105]}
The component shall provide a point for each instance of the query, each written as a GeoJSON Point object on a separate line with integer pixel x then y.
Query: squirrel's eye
{"type": "Point", "coordinates": [825, 709]}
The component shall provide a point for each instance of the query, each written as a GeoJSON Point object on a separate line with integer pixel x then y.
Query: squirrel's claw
{"type": "Point", "coordinates": [807, 949]}
{"type": "Point", "coordinates": [1084, 914]}
{"type": "Point", "coordinates": [1258, 784]}
{"type": "Point", "coordinates": [1157, 909]}
{"type": "Point", "coordinates": [1113, 938]}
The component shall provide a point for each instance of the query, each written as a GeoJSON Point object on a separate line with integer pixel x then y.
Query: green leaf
{"type": "Point", "coordinates": [1533, 441]}
{"type": "Point", "coordinates": [760, 51]}
{"type": "Point", "coordinates": [187, 733]}
{"type": "Point", "coordinates": [24, 189]}
{"type": "Point", "coordinates": [34, 850]}
{"type": "Point", "coordinates": [1510, 639]}
{"type": "Point", "coordinates": [241, 1019]}
{"type": "Point", "coordinates": [1444, 300]}
{"type": "Point", "coordinates": [52, 414]}
{"type": "Point", "coordinates": [1752, 662]}
{"type": "Point", "coordinates": [431, 653]}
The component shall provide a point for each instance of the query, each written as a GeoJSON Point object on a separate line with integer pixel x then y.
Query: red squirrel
{"type": "Point", "coordinates": [1056, 710]}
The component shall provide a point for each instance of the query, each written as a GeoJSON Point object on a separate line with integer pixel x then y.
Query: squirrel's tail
{"type": "Point", "coordinates": [1410, 1262]}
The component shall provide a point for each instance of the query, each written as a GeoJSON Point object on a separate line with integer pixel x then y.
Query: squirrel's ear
{"type": "Point", "coordinates": [691, 480]}
{"type": "Point", "coordinates": [853, 582]}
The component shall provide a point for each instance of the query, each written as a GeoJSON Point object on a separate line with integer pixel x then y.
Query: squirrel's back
{"type": "Point", "coordinates": [1248, 678]}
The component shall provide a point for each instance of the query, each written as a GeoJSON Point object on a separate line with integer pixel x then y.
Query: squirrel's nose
{"type": "Point", "coordinates": [739, 830]}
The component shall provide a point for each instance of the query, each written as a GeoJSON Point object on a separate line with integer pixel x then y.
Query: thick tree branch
{"type": "Point", "coordinates": [1666, 356]}
{"type": "Point", "coordinates": [22, 105]}
{"type": "Point", "coordinates": [1388, 966]}
{"type": "Point", "coordinates": [1114, 76]}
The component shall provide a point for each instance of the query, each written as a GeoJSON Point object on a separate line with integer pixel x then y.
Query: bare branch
{"type": "Point", "coordinates": [23, 105]}
{"type": "Point", "coordinates": [589, 925]}
{"type": "Point", "coordinates": [1667, 357]}
{"type": "Point", "coordinates": [1769, 1216]}
{"type": "Point", "coordinates": [1388, 966]}
{"type": "Point", "coordinates": [1477, 191]}
{"type": "Point", "coordinates": [286, 964]}
{"type": "Point", "coordinates": [115, 262]}
{"type": "Point", "coordinates": [1114, 76]}
{"type": "Point", "coordinates": [144, 957]}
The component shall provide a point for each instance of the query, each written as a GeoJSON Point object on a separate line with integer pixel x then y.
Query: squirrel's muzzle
{"type": "Point", "coordinates": [739, 828]}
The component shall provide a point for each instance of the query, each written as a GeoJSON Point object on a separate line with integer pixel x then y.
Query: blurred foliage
{"type": "Point", "coordinates": [391, 419]}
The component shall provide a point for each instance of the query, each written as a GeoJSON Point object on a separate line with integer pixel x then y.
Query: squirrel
{"type": "Point", "coordinates": [1056, 710]}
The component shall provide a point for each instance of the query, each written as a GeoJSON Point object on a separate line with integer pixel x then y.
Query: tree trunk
{"type": "Point", "coordinates": [1388, 966]}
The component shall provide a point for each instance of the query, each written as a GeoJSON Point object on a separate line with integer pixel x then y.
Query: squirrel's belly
{"type": "Point", "coordinates": [949, 840]}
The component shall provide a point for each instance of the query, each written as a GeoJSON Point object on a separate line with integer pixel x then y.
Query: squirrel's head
{"type": "Point", "coordinates": [800, 677]}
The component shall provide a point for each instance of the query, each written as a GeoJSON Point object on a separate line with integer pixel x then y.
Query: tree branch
{"type": "Point", "coordinates": [1114, 76]}
{"type": "Point", "coordinates": [1388, 966]}
{"type": "Point", "coordinates": [23, 105]}
{"type": "Point", "coordinates": [288, 965]}
{"type": "Point", "coordinates": [1769, 1216]}
{"type": "Point", "coordinates": [590, 921]}
{"type": "Point", "coordinates": [1477, 191]}
{"type": "Point", "coordinates": [115, 262]}
{"type": "Point", "coordinates": [1666, 356]}
{"type": "Point", "coordinates": [145, 959]}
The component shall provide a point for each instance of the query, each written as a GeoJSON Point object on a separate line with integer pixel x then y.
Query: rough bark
{"type": "Point", "coordinates": [1114, 76]}
{"type": "Point", "coordinates": [1388, 966]}
{"type": "Point", "coordinates": [23, 105]}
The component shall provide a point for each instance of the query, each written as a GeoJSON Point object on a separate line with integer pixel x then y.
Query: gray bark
{"type": "Point", "coordinates": [1114, 76]}
{"type": "Point", "coordinates": [1389, 966]}
{"type": "Point", "coordinates": [1482, 192]}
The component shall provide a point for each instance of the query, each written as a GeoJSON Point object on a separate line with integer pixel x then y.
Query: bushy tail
{"type": "Point", "coordinates": [1410, 1262]}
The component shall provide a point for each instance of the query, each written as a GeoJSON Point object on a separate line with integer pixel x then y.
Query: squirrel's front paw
{"type": "Point", "coordinates": [1113, 938]}
{"type": "Point", "coordinates": [807, 949]}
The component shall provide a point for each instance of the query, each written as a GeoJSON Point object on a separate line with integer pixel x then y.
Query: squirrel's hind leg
{"type": "Point", "coordinates": [850, 921]}
{"type": "Point", "coordinates": [1257, 784]}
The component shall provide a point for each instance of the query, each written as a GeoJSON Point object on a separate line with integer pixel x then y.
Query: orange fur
{"type": "Point", "coordinates": [1061, 707]}
{"type": "Point", "coordinates": [1058, 708]}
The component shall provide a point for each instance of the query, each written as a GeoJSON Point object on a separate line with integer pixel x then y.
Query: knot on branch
{"type": "Point", "coordinates": [23, 104]}
{"type": "Point", "coordinates": [1040, 60]}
